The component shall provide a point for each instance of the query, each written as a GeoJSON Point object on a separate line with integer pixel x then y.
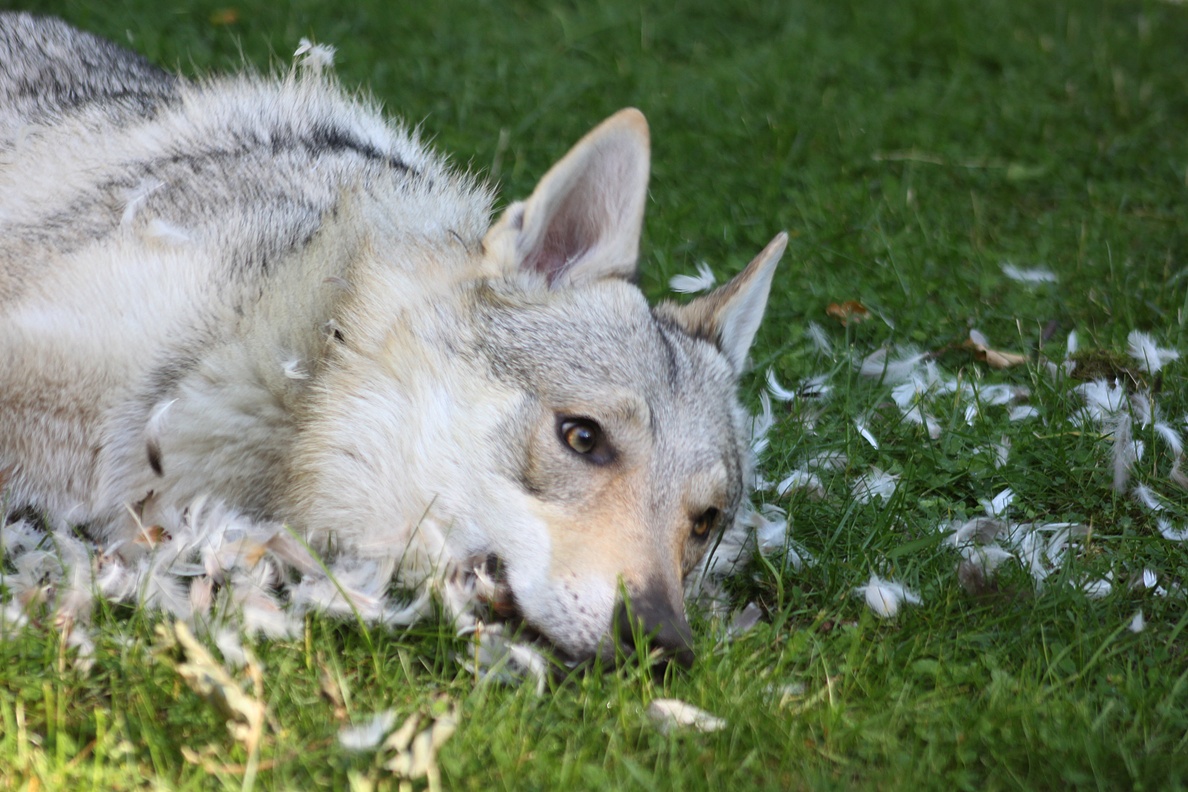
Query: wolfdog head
{"type": "Point", "coordinates": [592, 444]}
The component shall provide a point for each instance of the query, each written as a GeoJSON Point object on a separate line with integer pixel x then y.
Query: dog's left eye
{"type": "Point", "coordinates": [705, 523]}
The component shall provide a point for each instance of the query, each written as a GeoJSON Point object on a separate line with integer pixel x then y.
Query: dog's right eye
{"type": "Point", "coordinates": [580, 434]}
{"type": "Point", "coordinates": [706, 524]}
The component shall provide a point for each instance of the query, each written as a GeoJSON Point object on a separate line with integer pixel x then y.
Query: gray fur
{"type": "Point", "coordinates": [258, 291]}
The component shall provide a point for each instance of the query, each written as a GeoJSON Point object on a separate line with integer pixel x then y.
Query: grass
{"type": "Point", "coordinates": [910, 149]}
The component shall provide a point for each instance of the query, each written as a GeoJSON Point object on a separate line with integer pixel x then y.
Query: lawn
{"type": "Point", "coordinates": [1015, 169]}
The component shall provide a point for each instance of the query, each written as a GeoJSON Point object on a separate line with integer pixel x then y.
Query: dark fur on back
{"type": "Point", "coordinates": [49, 67]}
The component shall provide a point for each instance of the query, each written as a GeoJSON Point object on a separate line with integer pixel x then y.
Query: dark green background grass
{"type": "Point", "coordinates": [909, 148]}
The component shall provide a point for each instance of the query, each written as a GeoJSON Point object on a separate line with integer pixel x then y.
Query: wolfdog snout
{"type": "Point", "coordinates": [651, 613]}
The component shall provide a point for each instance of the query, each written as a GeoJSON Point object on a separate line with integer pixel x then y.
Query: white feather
{"type": "Point", "coordinates": [1150, 357]}
{"type": "Point", "coordinates": [817, 387]}
{"type": "Point", "coordinates": [314, 57]}
{"type": "Point", "coordinates": [368, 734]}
{"type": "Point", "coordinates": [801, 480]}
{"type": "Point", "coordinates": [294, 370]}
{"type": "Point", "coordinates": [1146, 496]}
{"type": "Point", "coordinates": [1028, 275]}
{"type": "Point", "coordinates": [135, 198]}
{"type": "Point", "coordinates": [1022, 412]}
{"type": "Point", "coordinates": [1171, 437]}
{"type": "Point", "coordinates": [877, 366]}
{"type": "Point", "coordinates": [998, 505]}
{"type": "Point", "coordinates": [778, 391]}
{"type": "Point", "coordinates": [884, 597]}
{"type": "Point", "coordinates": [1097, 589]}
{"type": "Point", "coordinates": [819, 339]}
{"type": "Point", "coordinates": [860, 425]}
{"type": "Point", "coordinates": [875, 484]}
{"type": "Point", "coordinates": [827, 460]}
{"type": "Point", "coordinates": [167, 232]}
{"type": "Point", "coordinates": [703, 281]}
{"type": "Point", "coordinates": [761, 424]}
{"type": "Point", "coordinates": [1170, 532]}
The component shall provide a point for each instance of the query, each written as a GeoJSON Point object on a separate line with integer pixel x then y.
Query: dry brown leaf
{"type": "Point", "coordinates": [224, 16]}
{"type": "Point", "coordinates": [153, 535]}
{"type": "Point", "coordinates": [847, 312]}
{"type": "Point", "coordinates": [992, 357]}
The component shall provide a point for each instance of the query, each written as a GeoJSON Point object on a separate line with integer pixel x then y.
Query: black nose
{"type": "Point", "coordinates": [652, 616]}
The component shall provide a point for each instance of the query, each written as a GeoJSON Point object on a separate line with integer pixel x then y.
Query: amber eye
{"type": "Point", "coordinates": [705, 524]}
{"type": "Point", "coordinates": [580, 434]}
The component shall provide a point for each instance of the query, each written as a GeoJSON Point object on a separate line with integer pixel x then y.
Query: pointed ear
{"type": "Point", "coordinates": [584, 219]}
{"type": "Point", "coordinates": [729, 316]}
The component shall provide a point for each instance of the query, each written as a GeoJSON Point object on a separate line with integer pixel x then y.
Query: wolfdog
{"type": "Point", "coordinates": [259, 292]}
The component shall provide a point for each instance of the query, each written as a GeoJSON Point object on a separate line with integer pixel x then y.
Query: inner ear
{"type": "Point", "coordinates": [584, 219]}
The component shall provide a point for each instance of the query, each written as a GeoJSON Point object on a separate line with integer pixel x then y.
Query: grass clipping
{"type": "Point", "coordinates": [208, 678]}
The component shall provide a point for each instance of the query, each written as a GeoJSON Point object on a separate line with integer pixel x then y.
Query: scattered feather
{"type": "Point", "coordinates": [744, 621]}
{"type": "Point", "coordinates": [136, 198]}
{"type": "Point", "coordinates": [801, 480]}
{"type": "Point", "coordinates": [293, 369]}
{"type": "Point", "coordinates": [496, 658]}
{"type": "Point", "coordinates": [167, 232]}
{"type": "Point", "coordinates": [771, 530]}
{"type": "Point", "coordinates": [817, 387]}
{"type": "Point", "coordinates": [998, 505]}
{"type": "Point", "coordinates": [368, 734]}
{"type": "Point", "coordinates": [978, 565]}
{"type": "Point", "coordinates": [827, 460]}
{"type": "Point", "coordinates": [1001, 451]}
{"type": "Point", "coordinates": [860, 425]}
{"type": "Point", "coordinates": [230, 646]}
{"type": "Point", "coordinates": [1138, 623]}
{"type": "Point", "coordinates": [703, 281]}
{"type": "Point", "coordinates": [778, 391]}
{"type": "Point", "coordinates": [1170, 437]}
{"type": "Point", "coordinates": [1170, 532]}
{"type": "Point", "coordinates": [1127, 451]}
{"type": "Point", "coordinates": [877, 366]}
{"type": "Point", "coordinates": [1098, 589]}
{"type": "Point", "coordinates": [1102, 399]}
{"type": "Point", "coordinates": [1147, 497]}
{"type": "Point", "coordinates": [885, 596]}
{"type": "Point", "coordinates": [671, 715]}
{"type": "Point", "coordinates": [1028, 275]}
{"type": "Point", "coordinates": [875, 484]}
{"type": "Point", "coordinates": [1149, 581]}
{"type": "Point", "coordinates": [314, 57]}
{"type": "Point", "coordinates": [761, 424]}
{"type": "Point", "coordinates": [1150, 357]}
{"type": "Point", "coordinates": [979, 530]}
{"type": "Point", "coordinates": [1023, 412]}
{"type": "Point", "coordinates": [819, 339]}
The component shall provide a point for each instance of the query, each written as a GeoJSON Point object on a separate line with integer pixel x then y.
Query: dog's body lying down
{"type": "Point", "coordinates": [259, 292]}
